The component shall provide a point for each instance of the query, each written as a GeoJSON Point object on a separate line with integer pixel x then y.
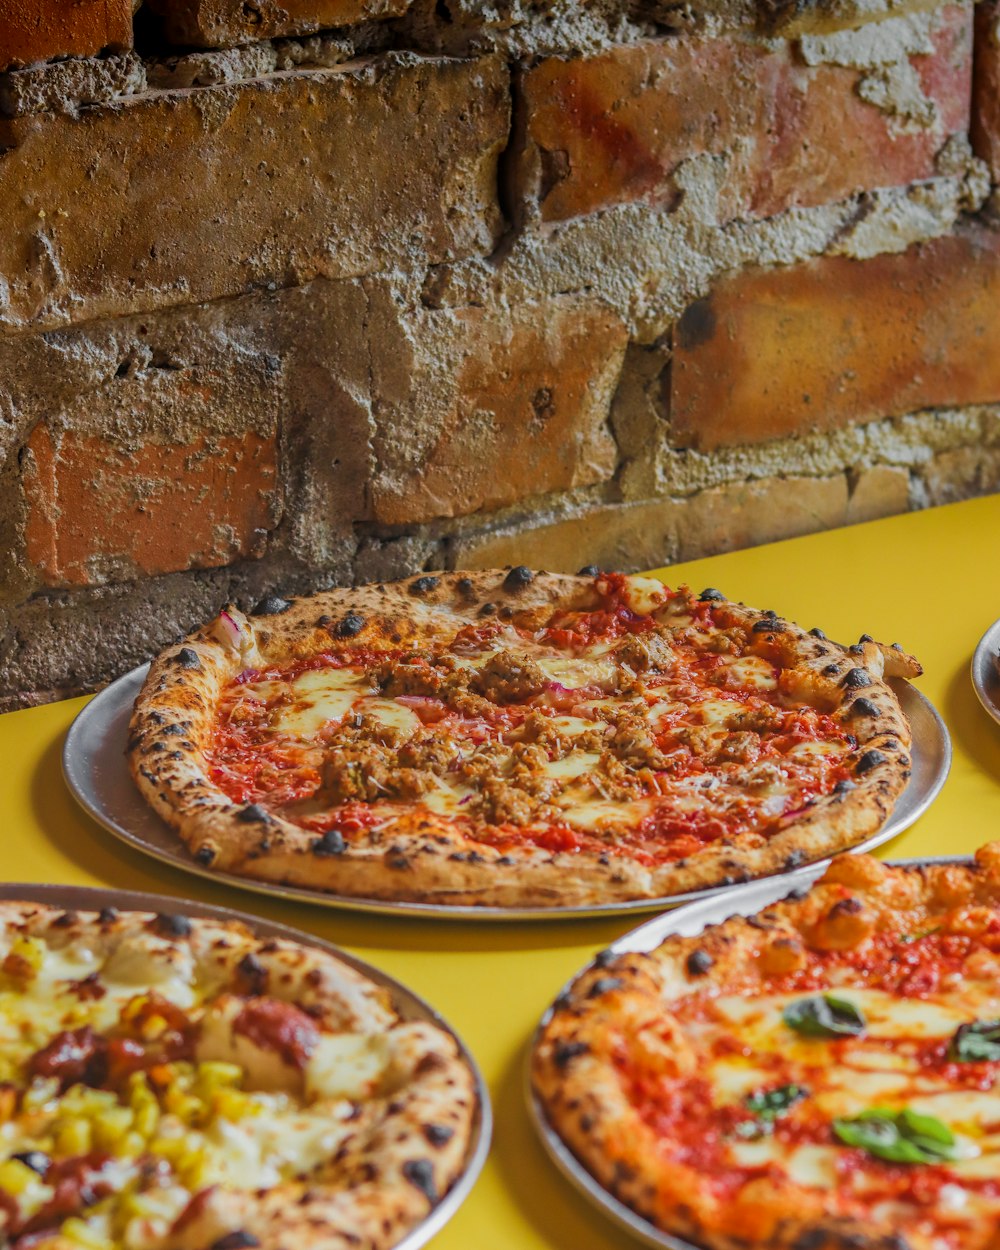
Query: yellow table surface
{"type": "Point", "coordinates": [928, 580]}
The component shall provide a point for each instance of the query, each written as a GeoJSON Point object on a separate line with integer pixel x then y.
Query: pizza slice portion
{"type": "Point", "coordinates": [178, 1084]}
{"type": "Point", "coordinates": [521, 740]}
{"type": "Point", "coordinates": [825, 1073]}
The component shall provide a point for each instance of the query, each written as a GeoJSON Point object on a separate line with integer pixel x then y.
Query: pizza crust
{"type": "Point", "coordinates": [424, 858]}
{"type": "Point", "coordinates": [407, 1147]}
{"type": "Point", "coordinates": [626, 1001]}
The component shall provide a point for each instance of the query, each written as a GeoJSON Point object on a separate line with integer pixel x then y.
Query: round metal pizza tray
{"type": "Point", "coordinates": [685, 922]}
{"type": "Point", "coordinates": [986, 671]}
{"type": "Point", "coordinates": [96, 772]}
{"type": "Point", "coordinates": [408, 1004]}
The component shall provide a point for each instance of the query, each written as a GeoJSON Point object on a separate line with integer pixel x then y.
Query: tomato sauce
{"type": "Point", "coordinates": [252, 763]}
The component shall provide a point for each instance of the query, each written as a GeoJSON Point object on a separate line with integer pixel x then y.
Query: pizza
{"type": "Point", "coordinates": [169, 1083]}
{"type": "Point", "coordinates": [823, 1075]}
{"type": "Point", "coordinates": [512, 738]}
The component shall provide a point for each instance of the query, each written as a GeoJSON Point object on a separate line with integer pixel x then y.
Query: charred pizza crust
{"type": "Point", "coordinates": [425, 858]}
{"type": "Point", "coordinates": [408, 1136]}
{"type": "Point", "coordinates": [626, 1004]}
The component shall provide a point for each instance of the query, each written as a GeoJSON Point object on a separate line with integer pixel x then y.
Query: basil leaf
{"type": "Point", "coordinates": [977, 1042]}
{"type": "Point", "coordinates": [768, 1104]}
{"type": "Point", "coordinates": [898, 1136]}
{"type": "Point", "coordinates": [824, 1016]}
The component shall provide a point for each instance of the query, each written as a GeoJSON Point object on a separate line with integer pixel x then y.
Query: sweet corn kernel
{"type": "Point", "coordinates": [73, 1137]}
{"type": "Point", "coordinates": [24, 959]}
{"type": "Point", "coordinates": [233, 1104]}
{"type": "Point", "coordinates": [110, 1126]}
{"type": "Point", "coordinates": [16, 1177]}
{"type": "Point", "coordinates": [129, 1146]}
{"type": "Point", "coordinates": [81, 1234]}
{"type": "Point", "coordinates": [214, 1073]}
{"type": "Point", "coordinates": [147, 1117]}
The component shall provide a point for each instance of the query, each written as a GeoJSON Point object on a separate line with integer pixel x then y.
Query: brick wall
{"type": "Point", "coordinates": [333, 290]}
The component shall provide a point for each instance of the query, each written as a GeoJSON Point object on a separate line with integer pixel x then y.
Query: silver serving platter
{"type": "Point", "coordinates": [685, 921]}
{"type": "Point", "coordinates": [985, 674]}
{"type": "Point", "coordinates": [96, 772]}
{"type": "Point", "coordinates": [408, 1004]}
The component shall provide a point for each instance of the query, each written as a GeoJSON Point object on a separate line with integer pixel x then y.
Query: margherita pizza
{"type": "Point", "coordinates": [512, 738]}
{"type": "Point", "coordinates": [823, 1075]}
{"type": "Point", "coordinates": [169, 1083]}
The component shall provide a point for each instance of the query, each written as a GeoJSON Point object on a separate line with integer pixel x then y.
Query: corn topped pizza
{"type": "Point", "coordinates": [177, 1083]}
{"type": "Point", "coordinates": [823, 1075]}
{"type": "Point", "coordinates": [516, 738]}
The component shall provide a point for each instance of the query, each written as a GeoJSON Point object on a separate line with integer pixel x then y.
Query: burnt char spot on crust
{"type": "Point", "coordinates": [252, 974]}
{"type": "Point", "coordinates": [205, 855]}
{"type": "Point", "coordinates": [107, 915]}
{"type": "Point", "coordinates": [438, 1134]}
{"type": "Point", "coordinates": [603, 958]}
{"type": "Point", "coordinates": [863, 707]}
{"type": "Point", "coordinates": [487, 609]}
{"type": "Point", "coordinates": [270, 605]}
{"type": "Point", "coordinates": [351, 625]}
{"type": "Point", "coordinates": [794, 858]}
{"type": "Point", "coordinates": [253, 813]}
{"type": "Point", "coordinates": [856, 679]}
{"type": "Point", "coordinates": [420, 1174]}
{"type": "Point", "coordinates": [240, 1240]}
{"type": "Point", "coordinates": [589, 570]}
{"type": "Point", "coordinates": [843, 786]}
{"type": "Point", "coordinates": [870, 759]}
{"type": "Point", "coordinates": [65, 919]}
{"type": "Point", "coordinates": [564, 1052]}
{"type": "Point", "coordinates": [331, 843]}
{"type": "Point", "coordinates": [466, 587]}
{"type": "Point", "coordinates": [519, 577]}
{"type": "Point", "coordinates": [831, 670]}
{"type": "Point", "coordinates": [604, 985]}
{"type": "Point", "coordinates": [424, 585]}
{"type": "Point", "coordinates": [769, 625]}
{"type": "Point", "coordinates": [698, 963]}
{"type": "Point", "coordinates": [171, 924]}
{"type": "Point", "coordinates": [818, 633]}
{"type": "Point", "coordinates": [711, 595]}
{"type": "Point", "coordinates": [187, 657]}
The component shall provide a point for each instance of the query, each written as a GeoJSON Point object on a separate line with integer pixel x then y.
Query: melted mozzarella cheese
{"type": "Point", "coordinates": [576, 672]}
{"type": "Point", "coordinates": [644, 594]}
{"type": "Point", "coordinates": [347, 1065]}
{"type": "Point", "coordinates": [321, 695]}
{"type": "Point", "coordinates": [572, 765]}
{"type": "Point", "coordinates": [753, 671]}
{"type": "Point", "coordinates": [586, 812]}
{"type": "Point", "coordinates": [391, 714]}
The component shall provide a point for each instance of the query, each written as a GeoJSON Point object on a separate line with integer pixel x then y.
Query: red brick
{"type": "Point", "coordinates": [40, 30]}
{"type": "Point", "coordinates": [829, 342]}
{"type": "Point", "coordinates": [527, 412]}
{"type": "Point", "coordinates": [612, 129]}
{"type": "Point", "coordinates": [177, 197]}
{"type": "Point", "coordinates": [227, 23]}
{"type": "Point", "coordinates": [986, 86]}
{"type": "Point", "coordinates": [93, 504]}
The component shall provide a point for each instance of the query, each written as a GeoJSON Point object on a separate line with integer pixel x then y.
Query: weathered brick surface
{"type": "Point", "coordinates": [833, 341]}
{"type": "Point", "coordinates": [155, 508]}
{"type": "Point", "coordinates": [642, 536]}
{"type": "Point", "coordinates": [40, 30]}
{"type": "Point", "coordinates": [985, 130]}
{"type": "Point", "coordinates": [184, 196]}
{"type": "Point", "coordinates": [226, 23]}
{"type": "Point", "coordinates": [882, 490]}
{"type": "Point", "coordinates": [613, 128]}
{"type": "Point", "coordinates": [962, 474]}
{"type": "Point", "coordinates": [67, 85]}
{"type": "Point", "coordinates": [520, 407]}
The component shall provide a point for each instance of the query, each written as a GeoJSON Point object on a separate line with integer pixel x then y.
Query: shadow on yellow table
{"type": "Point", "coordinates": [928, 580]}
